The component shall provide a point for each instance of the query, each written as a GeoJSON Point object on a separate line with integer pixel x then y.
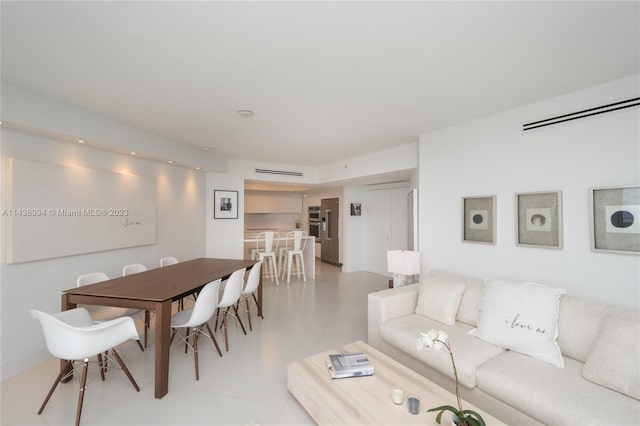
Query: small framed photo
{"type": "Point", "coordinates": [539, 219]}
{"type": "Point", "coordinates": [225, 204]}
{"type": "Point", "coordinates": [479, 219]}
{"type": "Point", "coordinates": [615, 219]}
{"type": "Point", "coordinates": [356, 209]}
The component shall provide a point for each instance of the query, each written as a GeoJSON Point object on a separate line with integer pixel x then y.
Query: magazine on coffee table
{"type": "Point", "coordinates": [354, 364]}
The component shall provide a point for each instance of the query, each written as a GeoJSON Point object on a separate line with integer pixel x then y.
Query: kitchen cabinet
{"type": "Point", "coordinates": [260, 203]}
{"type": "Point", "coordinates": [270, 203]}
{"type": "Point", "coordinates": [289, 204]}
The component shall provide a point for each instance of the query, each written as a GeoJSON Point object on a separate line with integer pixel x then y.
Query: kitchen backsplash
{"type": "Point", "coordinates": [278, 221]}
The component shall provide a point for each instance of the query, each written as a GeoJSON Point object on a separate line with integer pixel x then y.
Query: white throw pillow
{"type": "Point", "coordinates": [614, 359]}
{"type": "Point", "coordinates": [439, 299]}
{"type": "Point", "coordinates": [522, 317]}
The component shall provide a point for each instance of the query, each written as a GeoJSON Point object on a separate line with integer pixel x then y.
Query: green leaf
{"type": "Point", "coordinates": [474, 417]}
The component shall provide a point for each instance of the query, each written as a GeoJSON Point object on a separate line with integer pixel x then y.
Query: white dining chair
{"type": "Point", "coordinates": [295, 244]}
{"type": "Point", "coordinates": [197, 318]}
{"type": "Point", "coordinates": [72, 335]}
{"type": "Point", "coordinates": [168, 260]}
{"type": "Point", "coordinates": [249, 291]}
{"type": "Point", "coordinates": [230, 297]}
{"type": "Point", "coordinates": [135, 268]}
{"type": "Point", "coordinates": [105, 313]}
{"type": "Point", "coordinates": [267, 248]}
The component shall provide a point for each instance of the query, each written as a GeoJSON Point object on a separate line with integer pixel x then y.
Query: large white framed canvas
{"type": "Point", "coordinates": [55, 210]}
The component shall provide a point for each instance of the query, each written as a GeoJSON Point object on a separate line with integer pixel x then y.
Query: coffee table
{"type": "Point", "coordinates": [367, 400]}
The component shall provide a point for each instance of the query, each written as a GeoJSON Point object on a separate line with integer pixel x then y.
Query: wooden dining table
{"type": "Point", "coordinates": [154, 290]}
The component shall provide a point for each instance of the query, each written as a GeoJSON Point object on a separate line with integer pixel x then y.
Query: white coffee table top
{"type": "Point", "coordinates": [367, 400]}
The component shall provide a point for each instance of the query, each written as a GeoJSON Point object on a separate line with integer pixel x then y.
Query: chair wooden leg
{"type": "Point", "coordinates": [186, 341]}
{"type": "Point", "coordinates": [235, 309]}
{"type": "Point", "coordinates": [140, 345]}
{"type": "Point", "coordinates": [224, 324]}
{"type": "Point", "coordinates": [63, 372]}
{"type": "Point", "coordinates": [213, 338]}
{"type": "Point", "coordinates": [194, 338]}
{"type": "Point", "coordinates": [258, 305]}
{"type": "Point", "coordinates": [246, 300]}
{"type": "Point", "coordinates": [101, 366]}
{"type": "Point", "coordinates": [83, 383]}
{"type": "Point", "coordinates": [173, 334]}
{"type": "Point", "coordinates": [217, 317]}
{"type": "Point", "coordinates": [125, 369]}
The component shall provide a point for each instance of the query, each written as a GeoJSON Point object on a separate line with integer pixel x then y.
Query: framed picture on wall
{"type": "Point", "coordinates": [479, 219]}
{"type": "Point", "coordinates": [615, 219]}
{"type": "Point", "coordinates": [356, 209]}
{"type": "Point", "coordinates": [225, 204]}
{"type": "Point", "coordinates": [539, 219]}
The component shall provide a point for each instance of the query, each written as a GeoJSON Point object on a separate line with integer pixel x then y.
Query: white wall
{"type": "Point", "coordinates": [225, 237]}
{"type": "Point", "coordinates": [492, 156]}
{"type": "Point", "coordinates": [38, 285]}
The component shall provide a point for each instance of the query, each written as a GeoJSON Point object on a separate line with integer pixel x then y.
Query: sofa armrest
{"type": "Point", "coordinates": [389, 304]}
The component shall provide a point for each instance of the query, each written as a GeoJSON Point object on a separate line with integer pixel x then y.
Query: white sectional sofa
{"type": "Point", "coordinates": [599, 383]}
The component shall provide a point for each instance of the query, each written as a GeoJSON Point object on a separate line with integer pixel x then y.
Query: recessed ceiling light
{"type": "Point", "coordinates": [80, 141]}
{"type": "Point", "coordinates": [197, 168]}
{"type": "Point", "coordinates": [133, 153]}
{"type": "Point", "coordinates": [245, 113]}
{"type": "Point", "coordinates": [170, 162]}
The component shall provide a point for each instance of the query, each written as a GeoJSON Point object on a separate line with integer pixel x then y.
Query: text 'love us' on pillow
{"type": "Point", "coordinates": [522, 317]}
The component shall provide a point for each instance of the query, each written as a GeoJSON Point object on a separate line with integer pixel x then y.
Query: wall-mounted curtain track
{"type": "Point", "coordinates": [582, 114]}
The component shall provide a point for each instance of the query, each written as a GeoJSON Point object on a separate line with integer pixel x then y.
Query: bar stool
{"type": "Point", "coordinates": [267, 248]}
{"type": "Point", "coordinates": [298, 242]}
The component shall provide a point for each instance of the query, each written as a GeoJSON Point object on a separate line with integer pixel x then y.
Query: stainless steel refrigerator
{"type": "Point", "coordinates": [329, 231]}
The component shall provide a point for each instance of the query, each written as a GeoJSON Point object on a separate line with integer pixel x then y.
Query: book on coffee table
{"type": "Point", "coordinates": [354, 364]}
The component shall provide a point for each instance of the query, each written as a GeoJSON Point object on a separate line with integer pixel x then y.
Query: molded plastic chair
{"type": "Point", "coordinates": [169, 260]}
{"type": "Point", "coordinates": [295, 249]}
{"type": "Point", "coordinates": [197, 318]}
{"type": "Point", "coordinates": [135, 268]}
{"type": "Point", "coordinates": [72, 335]}
{"type": "Point", "coordinates": [104, 313]}
{"type": "Point", "coordinates": [253, 281]}
{"type": "Point", "coordinates": [230, 298]}
{"type": "Point", "coordinates": [267, 248]}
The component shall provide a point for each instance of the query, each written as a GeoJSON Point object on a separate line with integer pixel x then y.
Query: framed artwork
{"type": "Point", "coordinates": [225, 204]}
{"type": "Point", "coordinates": [479, 219]}
{"type": "Point", "coordinates": [356, 209]}
{"type": "Point", "coordinates": [539, 219]}
{"type": "Point", "coordinates": [615, 219]}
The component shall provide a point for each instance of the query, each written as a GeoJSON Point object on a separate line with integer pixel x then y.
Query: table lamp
{"type": "Point", "coordinates": [403, 263]}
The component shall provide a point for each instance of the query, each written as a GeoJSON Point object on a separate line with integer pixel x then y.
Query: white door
{"type": "Point", "coordinates": [385, 226]}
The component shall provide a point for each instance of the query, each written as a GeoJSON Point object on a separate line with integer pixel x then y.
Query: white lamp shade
{"type": "Point", "coordinates": [404, 262]}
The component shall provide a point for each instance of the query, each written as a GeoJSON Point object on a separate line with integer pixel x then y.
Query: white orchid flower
{"type": "Point", "coordinates": [432, 339]}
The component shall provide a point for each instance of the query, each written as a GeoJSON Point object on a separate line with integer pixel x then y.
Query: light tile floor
{"type": "Point", "coordinates": [247, 386]}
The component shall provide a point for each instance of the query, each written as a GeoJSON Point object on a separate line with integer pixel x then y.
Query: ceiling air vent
{"type": "Point", "coordinates": [582, 114]}
{"type": "Point", "coordinates": [279, 172]}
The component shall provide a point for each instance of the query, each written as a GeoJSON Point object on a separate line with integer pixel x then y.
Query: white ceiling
{"type": "Point", "coordinates": [326, 80]}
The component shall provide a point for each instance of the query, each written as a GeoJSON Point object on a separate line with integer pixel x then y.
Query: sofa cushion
{"type": "Point", "coordinates": [468, 351]}
{"type": "Point", "coordinates": [614, 359]}
{"type": "Point", "coordinates": [554, 396]}
{"type": "Point", "coordinates": [469, 309]}
{"type": "Point", "coordinates": [578, 324]}
{"type": "Point", "coordinates": [522, 317]}
{"type": "Point", "coordinates": [439, 299]}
